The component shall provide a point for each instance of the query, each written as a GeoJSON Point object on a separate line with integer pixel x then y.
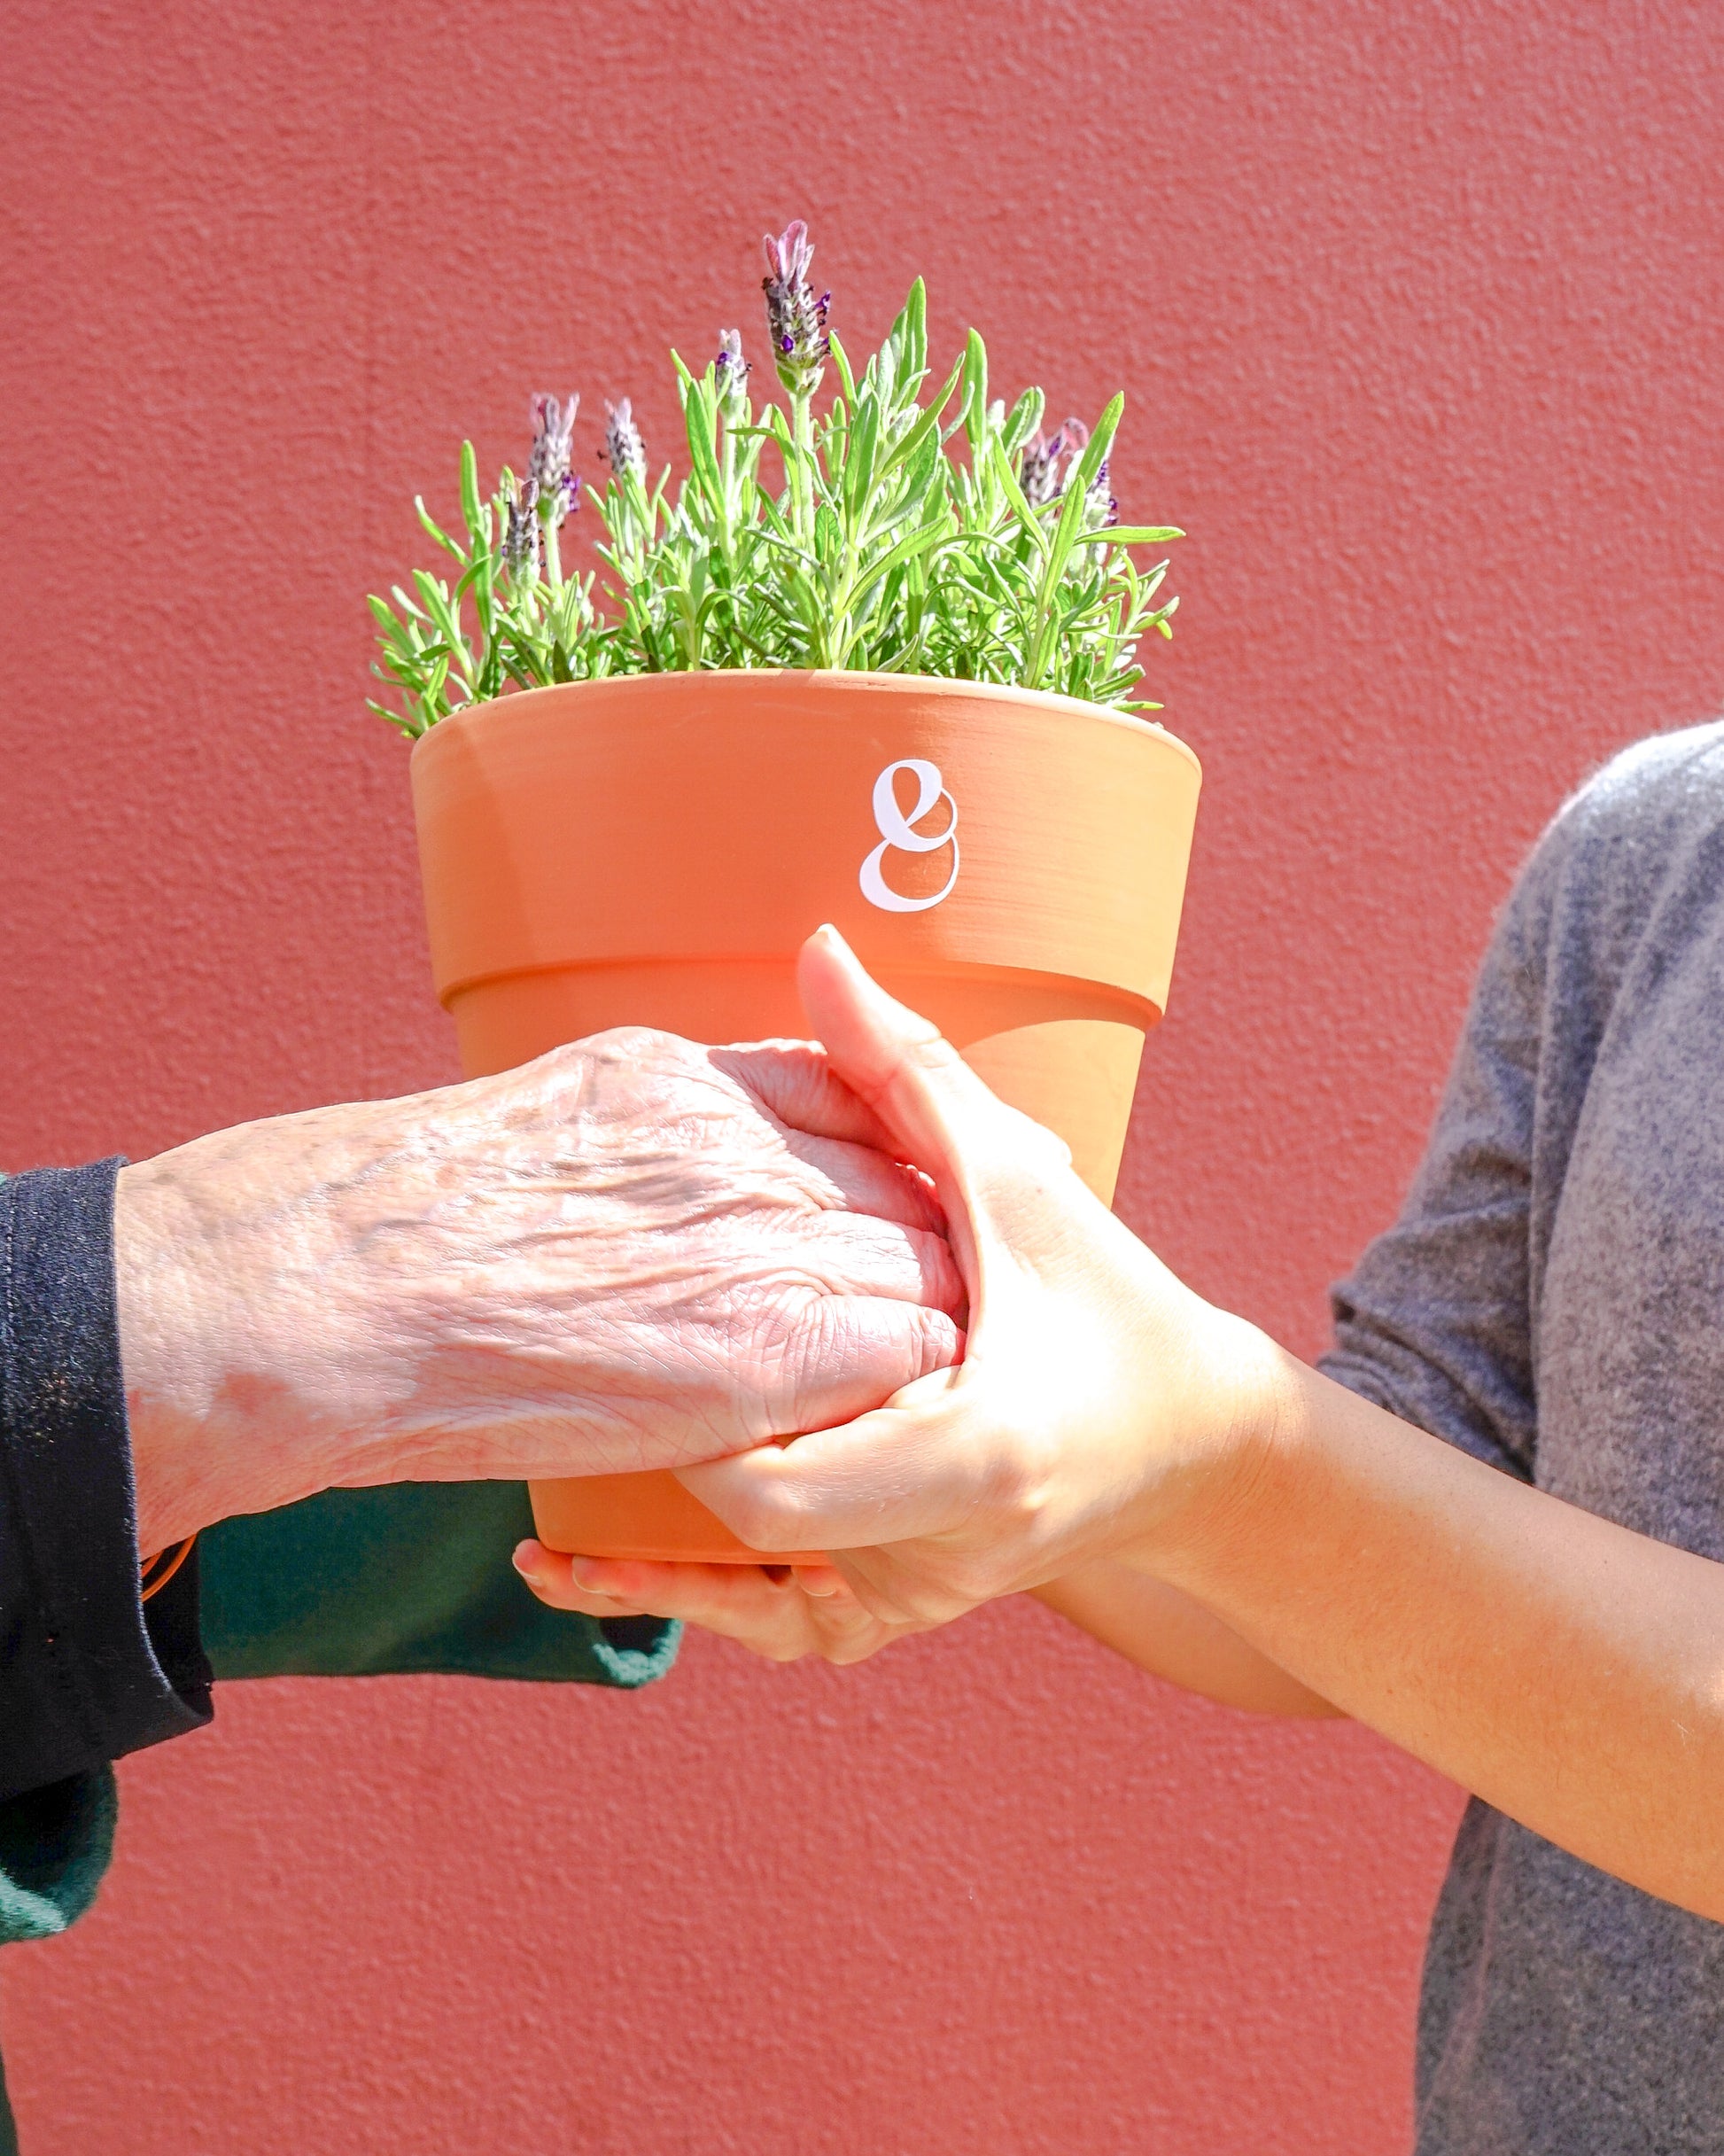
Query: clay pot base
{"type": "Point", "coordinates": [650, 1518]}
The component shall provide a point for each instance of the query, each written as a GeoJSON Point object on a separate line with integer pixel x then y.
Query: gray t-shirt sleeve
{"type": "Point", "coordinates": [1435, 1322]}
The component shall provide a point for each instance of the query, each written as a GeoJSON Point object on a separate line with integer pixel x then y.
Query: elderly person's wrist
{"type": "Point", "coordinates": [216, 1425]}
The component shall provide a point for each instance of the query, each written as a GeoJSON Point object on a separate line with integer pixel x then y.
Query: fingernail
{"type": "Point", "coordinates": [524, 1560]}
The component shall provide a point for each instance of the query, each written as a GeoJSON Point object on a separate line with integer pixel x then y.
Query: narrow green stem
{"type": "Point", "coordinates": [802, 482]}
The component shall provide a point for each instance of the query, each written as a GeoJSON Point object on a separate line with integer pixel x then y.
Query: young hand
{"type": "Point", "coordinates": [1098, 1398]}
{"type": "Point", "coordinates": [780, 1612]}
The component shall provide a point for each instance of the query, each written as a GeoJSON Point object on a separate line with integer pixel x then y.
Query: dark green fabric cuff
{"type": "Point", "coordinates": [356, 1582]}
{"type": "Point", "coordinates": [55, 1844]}
{"type": "Point", "coordinates": [412, 1577]}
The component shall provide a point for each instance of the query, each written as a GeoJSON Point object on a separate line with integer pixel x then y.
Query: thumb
{"type": "Point", "coordinates": [934, 1105]}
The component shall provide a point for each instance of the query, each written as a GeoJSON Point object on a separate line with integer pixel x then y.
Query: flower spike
{"type": "Point", "coordinates": [622, 444]}
{"type": "Point", "coordinates": [521, 542]}
{"type": "Point", "coordinates": [796, 319]}
{"type": "Point", "coordinates": [731, 372]}
{"type": "Point", "coordinates": [1101, 508]}
{"type": "Point", "coordinates": [1048, 459]}
{"type": "Point", "coordinates": [550, 482]}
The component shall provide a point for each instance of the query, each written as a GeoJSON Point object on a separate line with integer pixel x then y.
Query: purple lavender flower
{"type": "Point", "coordinates": [1036, 471]}
{"type": "Point", "coordinates": [1048, 459]}
{"type": "Point", "coordinates": [1100, 509]}
{"type": "Point", "coordinates": [622, 444]}
{"type": "Point", "coordinates": [796, 319]}
{"type": "Point", "coordinates": [732, 372]}
{"type": "Point", "coordinates": [549, 479]}
{"type": "Point", "coordinates": [521, 541]}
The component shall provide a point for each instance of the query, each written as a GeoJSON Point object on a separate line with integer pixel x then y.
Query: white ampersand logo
{"type": "Point", "coordinates": [896, 834]}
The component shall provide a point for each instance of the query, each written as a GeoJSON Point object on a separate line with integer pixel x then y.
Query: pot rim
{"type": "Point", "coordinates": [840, 681]}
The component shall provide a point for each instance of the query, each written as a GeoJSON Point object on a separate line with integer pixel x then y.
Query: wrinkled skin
{"type": "Point", "coordinates": [635, 1252]}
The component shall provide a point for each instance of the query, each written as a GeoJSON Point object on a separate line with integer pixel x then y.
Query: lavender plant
{"type": "Point", "coordinates": [913, 531]}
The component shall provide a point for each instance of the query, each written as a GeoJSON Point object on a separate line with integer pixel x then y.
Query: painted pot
{"type": "Point", "coordinates": [652, 850]}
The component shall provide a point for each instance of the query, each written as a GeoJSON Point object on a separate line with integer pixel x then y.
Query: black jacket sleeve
{"type": "Point", "coordinates": [87, 1672]}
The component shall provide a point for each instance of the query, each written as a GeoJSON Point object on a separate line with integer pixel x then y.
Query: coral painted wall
{"type": "Point", "coordinates": [1417, 311]}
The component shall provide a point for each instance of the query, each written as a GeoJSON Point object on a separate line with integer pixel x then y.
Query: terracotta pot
{"type": "Point", "coordinates": [652, 852]}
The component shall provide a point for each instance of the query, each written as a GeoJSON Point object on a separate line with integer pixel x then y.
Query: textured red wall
{"type": "Point", "coordinates": [1417, 311]}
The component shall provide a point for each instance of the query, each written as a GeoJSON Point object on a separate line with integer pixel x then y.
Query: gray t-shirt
{"type": "Point", "coordinates": [1552, 1300]}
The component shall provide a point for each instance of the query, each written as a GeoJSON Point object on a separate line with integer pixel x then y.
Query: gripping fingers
{"type": "Point", "coordinates": [793, 1082]}
{"type": "Point", "coordinates": [551, 1575]}
{"type": "Point", "coordinates": [902, 1472]}
{"type": "Point", "coordinates": [864, 1180]}
{"type": "Point", "coordinates": [849, 1254]}
{"type": "Point", "coordinates": [839, 1355]}
{"type": "Point", "coordinates": [775, 1613]}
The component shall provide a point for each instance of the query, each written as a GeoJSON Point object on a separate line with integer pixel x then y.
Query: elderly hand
{"type": "Point", "coordinates": [633, 1253]}
{"type": "Point", "coordinates": [1098, 1398]}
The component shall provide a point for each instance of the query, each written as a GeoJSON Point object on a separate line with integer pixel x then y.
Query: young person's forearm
{"type": "Point", "coordinates": [1568, 1670]}
{"type": "Point", "coordinates": [1163, 1631]}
